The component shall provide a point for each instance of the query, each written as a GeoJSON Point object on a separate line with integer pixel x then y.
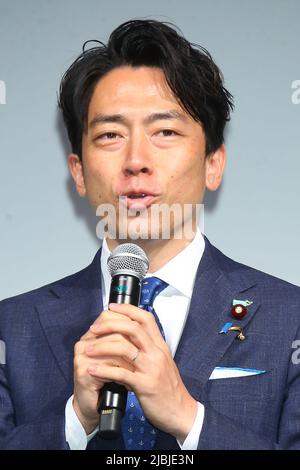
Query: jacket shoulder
{"type": "Point", "coordinates": [234, 268]}
{"type": "Point", "coordinates": [49, 291]}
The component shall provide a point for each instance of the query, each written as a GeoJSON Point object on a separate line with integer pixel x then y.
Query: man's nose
{"type": "Point", "coordinates": [138, 157]}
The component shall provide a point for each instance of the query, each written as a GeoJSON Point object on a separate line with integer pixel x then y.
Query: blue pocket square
{"type": "Point", "coordinates": [231, 372]}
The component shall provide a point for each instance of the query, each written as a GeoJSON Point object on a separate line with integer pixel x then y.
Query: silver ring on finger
{"type": "Point", "coordinates": [135, 356]}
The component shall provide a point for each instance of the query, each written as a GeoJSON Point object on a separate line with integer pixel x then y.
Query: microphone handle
{"type": "Point", "coordinates": [125, 289]}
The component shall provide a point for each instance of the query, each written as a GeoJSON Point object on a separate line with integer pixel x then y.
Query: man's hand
{"type": "Point", "coordinates": [87, 386]}
{"type": "Point", "coordinates": [125, 346]}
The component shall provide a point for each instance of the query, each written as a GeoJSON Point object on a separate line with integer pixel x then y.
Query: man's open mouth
{"type": "Point", "coordinates": [138, 200]}
{"type": "Point", "coordinates": [137, 196]}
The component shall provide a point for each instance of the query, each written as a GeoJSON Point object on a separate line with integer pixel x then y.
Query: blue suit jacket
{"type": "Point", "coordinates": [261, 411]}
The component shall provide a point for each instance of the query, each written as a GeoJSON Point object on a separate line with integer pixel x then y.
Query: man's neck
{"type": "Point", "coordinates": [159, 252]}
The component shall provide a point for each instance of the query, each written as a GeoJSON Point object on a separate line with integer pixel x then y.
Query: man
{"type": "Point", "coordinates": [213, 368]}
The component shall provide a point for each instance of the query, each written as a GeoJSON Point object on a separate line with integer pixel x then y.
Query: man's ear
{"type": "Point", "coordinates": [214, 168]}
{"type": "Point", "coordinates": [76, 170]}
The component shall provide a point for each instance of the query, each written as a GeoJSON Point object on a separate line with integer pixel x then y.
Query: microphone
{"type": "Point", "coordinates": [128, 265]}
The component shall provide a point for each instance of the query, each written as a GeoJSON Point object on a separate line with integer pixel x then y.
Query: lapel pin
{"type": "Point", "coordinates": [225, 328]}
{"type": "Point", "coordinates": [228, 327]}
{"type": "Point", "coordinates": [240, 335]}
{"type": "Point", "coordinates": [239, 308]}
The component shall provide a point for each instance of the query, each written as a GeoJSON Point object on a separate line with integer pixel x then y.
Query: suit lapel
{"type": "Point", "coordinates": [76, 303]}
{"type": "Point", "coordinates": [202, 346]}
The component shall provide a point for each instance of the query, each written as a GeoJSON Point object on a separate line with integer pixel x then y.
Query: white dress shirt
{"type": "Point", "coordinates": [172, 306]}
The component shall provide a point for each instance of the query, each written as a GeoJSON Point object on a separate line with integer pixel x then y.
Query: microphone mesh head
{"type": "Point", "coordinates": [128, 258]}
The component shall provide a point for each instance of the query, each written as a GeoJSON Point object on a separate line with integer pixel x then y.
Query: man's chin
{"type": "Point", "coordinates": [142, 231]}
{"type": "Point", "coordinates": [164, 223]}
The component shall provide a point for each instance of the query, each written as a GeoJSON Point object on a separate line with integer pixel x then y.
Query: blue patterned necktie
{"type": "Point", "coordinates": [138, 433]}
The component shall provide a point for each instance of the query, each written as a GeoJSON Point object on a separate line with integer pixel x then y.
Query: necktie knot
{"type": "Point", "coordinates": [151, 287]}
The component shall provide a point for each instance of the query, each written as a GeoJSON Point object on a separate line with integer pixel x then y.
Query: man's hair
{"type": "Point", "coordinates": [189, 69]}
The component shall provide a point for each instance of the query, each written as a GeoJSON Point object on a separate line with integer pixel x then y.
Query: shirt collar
{"type": "Point", "coordinates": [179, 272]}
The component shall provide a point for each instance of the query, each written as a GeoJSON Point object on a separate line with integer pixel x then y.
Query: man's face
{"type": "Point", "coordinates": [140, 145]}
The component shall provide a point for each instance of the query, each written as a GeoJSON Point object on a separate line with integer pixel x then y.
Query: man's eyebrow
{"type": "Point", "coordinates": [119, 118]}
{"type": "Point", "coordinates": [172, 114]}
{"type": "Point", "coordinates": [103, 118]}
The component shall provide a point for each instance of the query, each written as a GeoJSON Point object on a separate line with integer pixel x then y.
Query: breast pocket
{"type": "Point", "coordinates": [245, 388]}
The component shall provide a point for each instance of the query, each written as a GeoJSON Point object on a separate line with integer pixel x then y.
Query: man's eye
{"type": "Point", "coordinates": [107, 136]}
{"type": "Point", "coordinates": [167, 132]}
